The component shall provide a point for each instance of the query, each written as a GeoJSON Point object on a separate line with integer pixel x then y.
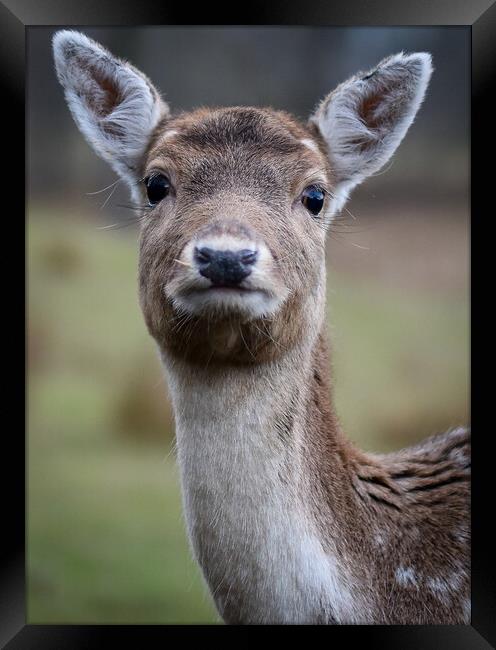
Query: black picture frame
{"type": "Point", "coordinates": [18, 15]}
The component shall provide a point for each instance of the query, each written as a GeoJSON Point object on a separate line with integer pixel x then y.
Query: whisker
{"type": "Point", "coordinates": [190, 266]}
{"type": "Point", "coordinates": [383, 171]}
{"type": "Point", "coordinates": [172, 451]}
{"type": "Point", "coordinates": [245, 343]}
{"type": "Point", "coordinates": [182, 321]}
{"type": "Point", "coordinates": [268, 336]}
{"type": "Point", "coordinates": [119, 180]}
{"type": "Point", "coordinates": [110, 227]}
{"type": "Point", "coordinates": [122, 224]}
{"type": "Point", "coordinates": [191, 331]}
{"type": "Point", "coordinates": [108, 197]}
{"type": "Point", "coordinates": [134, 207]}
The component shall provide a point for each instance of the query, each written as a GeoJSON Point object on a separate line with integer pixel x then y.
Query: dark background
{"type": "Point", "coordinates": [283, 67]}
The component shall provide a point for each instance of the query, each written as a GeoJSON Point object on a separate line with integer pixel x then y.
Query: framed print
{"type": "Point", "coordinates": [239, 189]}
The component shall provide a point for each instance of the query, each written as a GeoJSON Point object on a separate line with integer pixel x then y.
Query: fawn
{"type": "Point", "coordinates": [288, 520]}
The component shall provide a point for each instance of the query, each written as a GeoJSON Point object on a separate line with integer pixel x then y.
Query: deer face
{"type": "Point", "coordinates": [236, 200]}
{"type": "Point", "coordinates": [235, 235]}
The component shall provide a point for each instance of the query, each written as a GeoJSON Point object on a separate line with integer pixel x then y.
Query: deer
{"type": "Point", "coordinates": [289, 521]}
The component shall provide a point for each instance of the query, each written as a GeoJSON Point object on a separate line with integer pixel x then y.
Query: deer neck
{"type": "Point", "coordinates": [251, 481]}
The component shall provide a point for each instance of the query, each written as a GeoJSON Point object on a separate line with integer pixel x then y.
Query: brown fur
{"type": "Point", "coordinates": [238, 168]}
{"type": "Point", "coordinates": [288, 520]}
{"type": "Point", "coordinates": [416, 501]}
{"type": "Point", "coordinates": [231, 166]}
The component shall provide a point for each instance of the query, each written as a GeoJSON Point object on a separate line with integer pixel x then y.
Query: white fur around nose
{"type": "Point", "coordinates": [261, 295]}
{"type": "Point", "coordinates": [227, 242]}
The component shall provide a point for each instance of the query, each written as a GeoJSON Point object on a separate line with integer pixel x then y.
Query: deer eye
{"type": "Point", "coordinates": [157, 188]}
{"type": "Point", "coordinates": [313, 199]}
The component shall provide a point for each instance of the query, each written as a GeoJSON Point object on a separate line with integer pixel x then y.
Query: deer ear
{"type": "Point", "coordinates": [364, 120]}
{"type": "Point", "coordinates": [114, 105]}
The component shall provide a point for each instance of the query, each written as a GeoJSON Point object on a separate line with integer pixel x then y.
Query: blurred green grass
{"type": "Point", "coordinates": [106, 539]}
{"type": "Point", "coordinates": [400, 363]}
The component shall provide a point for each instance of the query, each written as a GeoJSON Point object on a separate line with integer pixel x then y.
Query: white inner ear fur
{"type": "Point", "coordinates": [365, 118]}
{"type": "Point", "coordinates": [114, 105]}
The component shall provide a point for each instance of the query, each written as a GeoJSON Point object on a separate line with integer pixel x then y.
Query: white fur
{"type": "Point", "coordinates": [169, 134]}
{"type": "Point", "coordinates": [406, 576]}
{"type": "Point", "coordinates": [310, 144]}
{"type": "Point", "coordinates": [250, 529]}
{"type": "Point", "coordinates": [380, 540]}
{"type": "Point", "coordinates": [259, 295]}
{"type": "Point", "coordinates": [360, 144]}
{"type": "Point", "coordinates": [444, 588]}
{"type": "Point", "coordinates": [119, 135]}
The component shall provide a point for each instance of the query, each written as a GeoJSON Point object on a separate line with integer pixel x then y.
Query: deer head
{"type": "Point", "coordinates": [236, 201]}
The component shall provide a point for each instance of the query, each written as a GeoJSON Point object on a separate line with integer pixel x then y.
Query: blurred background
{"type": "Point", "coordinates": [106, 539]}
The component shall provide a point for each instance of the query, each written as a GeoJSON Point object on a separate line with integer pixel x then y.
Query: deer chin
{"type": "Point", "coordinates": [245, 303]}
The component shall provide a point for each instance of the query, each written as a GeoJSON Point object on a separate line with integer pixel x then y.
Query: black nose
{"type": "Point", "coordinates": [225, 268]}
